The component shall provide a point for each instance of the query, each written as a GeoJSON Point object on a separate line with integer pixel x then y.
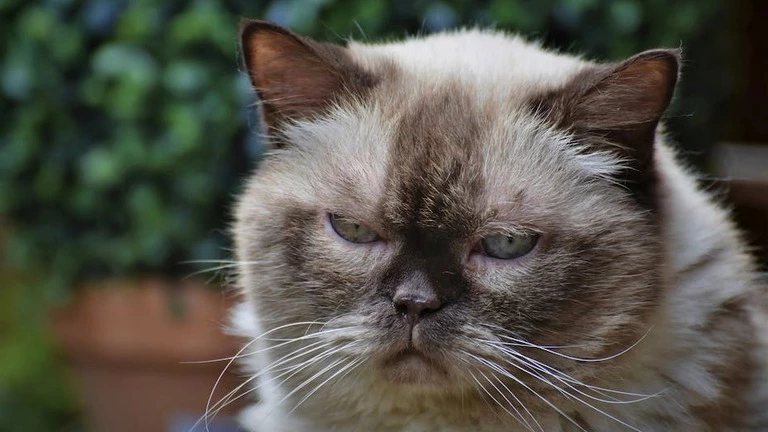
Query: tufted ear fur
{"type": "Point", "coordinates": [618, 107]}
{"type": "Point", "coordinates": [294, 76]}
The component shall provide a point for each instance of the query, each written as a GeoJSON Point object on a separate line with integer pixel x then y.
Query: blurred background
{"type": "Point", "coordinates": [126, 127]}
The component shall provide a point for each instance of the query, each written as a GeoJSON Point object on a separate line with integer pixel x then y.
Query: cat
{"type": "Point", "coordinates": [467, 232]}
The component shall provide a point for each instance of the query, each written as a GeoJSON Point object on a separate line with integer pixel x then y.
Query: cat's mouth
{"type": "Point", "coordinates": [413, 366]}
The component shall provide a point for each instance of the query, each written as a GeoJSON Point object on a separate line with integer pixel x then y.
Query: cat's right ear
{"type": "Point", "coordinates": [617, 108]}
{"type": "Point", "coordinates": [296, 77]}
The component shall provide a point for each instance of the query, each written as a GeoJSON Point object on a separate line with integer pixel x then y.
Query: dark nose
{"type": "Point", "coordinates": [414, 307]}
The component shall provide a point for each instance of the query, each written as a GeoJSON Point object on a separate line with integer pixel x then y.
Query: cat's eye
{"type": "Point", "coordinates": [351, 230]}
{"type": "Point", "coordinates": [509, 246]}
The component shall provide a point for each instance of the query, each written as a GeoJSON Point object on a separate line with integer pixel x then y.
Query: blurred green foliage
{"type": "Point", "coordinates": [35, 395]}
{"type": "Point", "coordinates": [123, 135]}
{"type": "Point", "coordinates": [124, 127]}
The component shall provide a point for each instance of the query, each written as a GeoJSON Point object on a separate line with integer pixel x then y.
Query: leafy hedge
{"type": "Point", "coordinates": [124, 122]}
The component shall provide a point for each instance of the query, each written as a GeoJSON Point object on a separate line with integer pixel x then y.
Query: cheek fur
{"type": "Point", "coordinates": [577, 288]}
{"type": "Point", "coordinates": [326, 275]}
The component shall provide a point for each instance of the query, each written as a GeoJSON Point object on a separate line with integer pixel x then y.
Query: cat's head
{"type": "Point", "coordinates": [452, 207]}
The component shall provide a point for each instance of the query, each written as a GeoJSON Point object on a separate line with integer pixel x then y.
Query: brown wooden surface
{"type": "Point", "coordinates": [148, 322]}
{"type": "Point", "coordinates": [127, 344]}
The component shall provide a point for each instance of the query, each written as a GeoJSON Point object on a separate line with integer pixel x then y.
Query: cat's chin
{"type": "Point", "coordinates": [412, 367]}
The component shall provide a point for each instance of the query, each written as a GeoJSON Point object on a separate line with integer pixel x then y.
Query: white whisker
{"type": "Point", "coordinates": [561, 376]}
{"type": "Point", "coordinates": [225, 400]}
{"type": "Point", "coordinates": [571, 395]}
{"type": "Point", "coordinates": [310, 379]}
{"type": "Point", "coordinates": [289, 370]}
{"type": "Point", "coordinates": [518, 416]}
{"type": "Point", "coordinates": [511, 393]}
{"type": "Point", "coordinates": [352, 364]}
{"type": "Point", "coordinates": [506, 373]}
{"type": "Point", "coordinates": [212, 261]}
{"type": "Point", "coordinates": [485, 390]}
{"type": "Point", "coordinates": [237, 355]}
{"type": "Point", "coordinates": [210, 269]}
{"type": "Point", "coordinates": [524, 343]}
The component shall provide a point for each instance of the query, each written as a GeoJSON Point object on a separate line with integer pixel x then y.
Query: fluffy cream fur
{"type": "Point", "coordinates": [685, 356]}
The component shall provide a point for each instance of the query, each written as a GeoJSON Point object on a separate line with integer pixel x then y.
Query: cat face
{"type": "Point", "coordinates": [430, 230]}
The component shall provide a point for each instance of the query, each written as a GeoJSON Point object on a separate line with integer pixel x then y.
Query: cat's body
{"type": "Point", "coordinates": [635, 296]}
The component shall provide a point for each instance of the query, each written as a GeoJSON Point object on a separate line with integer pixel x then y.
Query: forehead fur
{"type": "Point", "coordinates": [440, 110]}
{"type": "Point", "coordinates": [492, 62]}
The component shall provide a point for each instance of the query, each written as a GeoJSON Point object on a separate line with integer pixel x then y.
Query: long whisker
{"type": "Point", "coordinates": [290, 371]}
{"type": "Point", "coordinates": [518, 416]}
{"type": "Point", "coordinates": [352, 364]}
{"type": "Point", "coordinates": [223, 265]}
{"type": "Point", "coordinates": [571, 395]}
{"type": "Point", "coordinates": [561, 376]}
{"type": "Point", "coordinates": [209, 261]}
{"type": "Point", "coordinates": [289, 357]}
{"type": "Point", "coordinates": [484, 390]}
{"type": "Point", "coordinates": [511, 393]}
{"type": "Point", "coordinates": [312, 378]}
{"type": "Point", "coordinates": [505, 373]}
{"type": "Point", "coordinates": [574, 358]}
{"type": "Point", "coordinates": [532, 372]}
{"type": "Point", "coordinates": [208, 270]}
{"type": "Point", "coordinates": [271, 347]}
{"type": "Point", "coordinates": [221, 375]}
{"type": "Point", "coordinates": [361, 361]}
{"type": "Point", "coordinates": [309, 335]}
{"type": "Point", "coordinates": [523, 343]}
{"type": "Point", "coordinates": [225, 400]}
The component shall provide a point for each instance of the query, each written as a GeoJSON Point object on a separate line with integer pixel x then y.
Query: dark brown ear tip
{"type": "Point", "coordinates": [672, 57]}
{"type": "Point", "coordinates": [249, 26]}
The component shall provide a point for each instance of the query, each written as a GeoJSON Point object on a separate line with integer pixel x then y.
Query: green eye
{"type": "Point", "coordinates": [352, 231]}
{"type": "Point", "coordinates": [506, 247]}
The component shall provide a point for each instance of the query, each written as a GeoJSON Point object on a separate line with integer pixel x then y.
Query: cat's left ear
{"type": "Point", "coordinates": [617, 107]}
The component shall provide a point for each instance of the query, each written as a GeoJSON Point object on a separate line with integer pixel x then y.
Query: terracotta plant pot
{"type": "Point", "coordinates": [128, 344]}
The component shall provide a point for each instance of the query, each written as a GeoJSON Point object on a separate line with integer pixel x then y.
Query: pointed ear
{"type": "Point", "coordinates": [622, 103]}
{"type": "Point", "coordinates": [618, 107]}
{"type": "Point", "coordinates": [294, 76]}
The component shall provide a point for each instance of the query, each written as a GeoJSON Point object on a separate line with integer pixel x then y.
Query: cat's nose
{"type": "Point", "coordinates": [414, 307]}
